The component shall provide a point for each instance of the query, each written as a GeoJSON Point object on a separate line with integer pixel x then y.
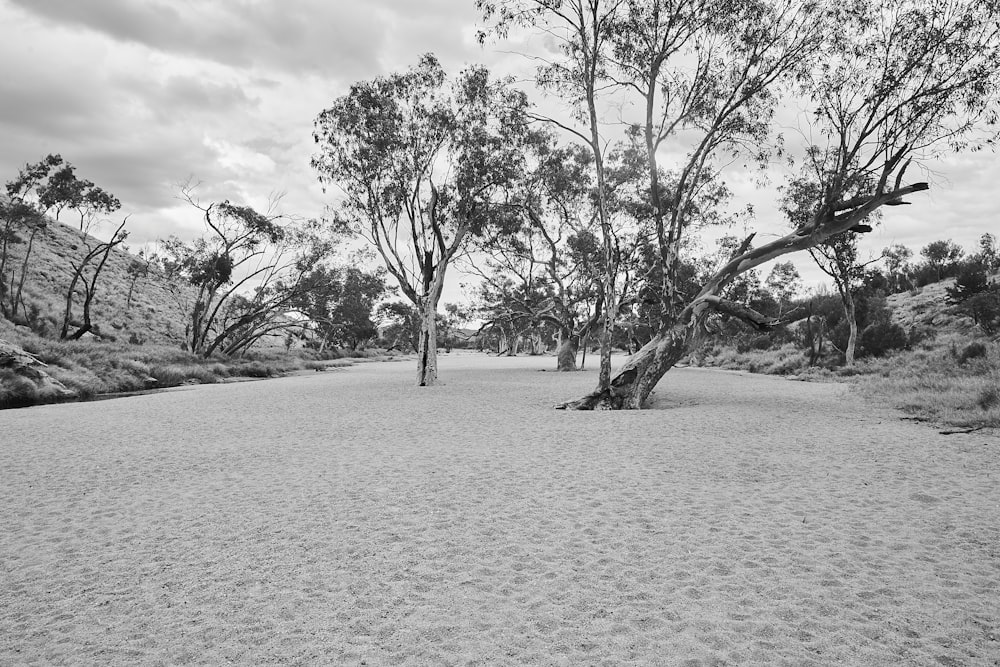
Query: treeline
{"type": "Point", "coordinates": [535, 311]}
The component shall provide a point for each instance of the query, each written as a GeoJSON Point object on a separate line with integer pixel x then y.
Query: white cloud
{"type": "Point", "coordinates": [143, 94]}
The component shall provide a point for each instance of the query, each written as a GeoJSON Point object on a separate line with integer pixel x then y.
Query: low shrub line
{"type": "Point", "coordinates": [948, 380]}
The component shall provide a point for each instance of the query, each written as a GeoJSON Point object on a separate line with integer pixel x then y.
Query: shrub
{"type": "Point", "coordinates": [877, 339]}
{"type": "Point", "coordinates": [989, 398]}
{"type": "Point", "coordinates": [984, 309]}
{"type": "Point", "coordinates": [172, 375]}
{"type": "Point", "coordinates": [973, 350]}
{"type": "Point", "coordinates": [254, 369]}
{"type": "Point", "coordinates": [16, 391]}
{"type": "Point", "coordinates": [972, 279]}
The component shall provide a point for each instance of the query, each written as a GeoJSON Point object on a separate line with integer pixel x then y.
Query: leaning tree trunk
{"type": "Point", "coordinates": [68, 311]}
{"type": "Point", "coordinates": [631, 386]}
{"type": "Point", "coordinates": [427, 343]}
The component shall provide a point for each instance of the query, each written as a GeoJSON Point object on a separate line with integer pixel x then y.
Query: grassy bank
{"type": "Point", "coordinates": [91, 369]}
{"type": "Point", "coordinates": [949, 380]}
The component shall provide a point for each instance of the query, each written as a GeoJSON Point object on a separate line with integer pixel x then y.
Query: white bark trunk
{"type": "Point", "coordinates": [427, 343]}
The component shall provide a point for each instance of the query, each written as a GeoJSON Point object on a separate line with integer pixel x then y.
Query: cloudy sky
{"type": "Point", "coordinates": [142, 95]}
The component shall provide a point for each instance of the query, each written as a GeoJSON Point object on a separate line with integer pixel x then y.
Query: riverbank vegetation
{"type": "Point", "coordinates": [91, 369]}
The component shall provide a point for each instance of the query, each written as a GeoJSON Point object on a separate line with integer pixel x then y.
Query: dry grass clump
{"type": "Point", "coordinates": [957, 384]}
{"type": "Point", "coordinates": [322, 365]}
{"type": "Point", "coordinates": [172, 375]}
{"type": "Point", "coordinates": [785, 360]}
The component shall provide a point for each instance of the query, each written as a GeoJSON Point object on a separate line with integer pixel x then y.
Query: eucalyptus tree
{"type": "Point", "coordinates": [838, 258]}
{"type": "Point", "coordinates": [420, 161]}
{"type": "Point", "coordinates": [898, 82]}
{"type": "Point", "coordinates": [247, 271]}
{"type": "Point", "coordinates": [582, 31]}
{"type": "Point", "coordinates": [339, 301]}
{"type": "Point", "coordinates": [547, 267]}
{"type": "Point", "coordinates": [898, 269]}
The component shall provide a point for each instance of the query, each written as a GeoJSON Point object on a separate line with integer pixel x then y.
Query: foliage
{"type": "Point", "coordinates": [247, 272]}
{"type": "Point", "coordinates": [420, 161]}
{"type": "Point", "coordinates": [339, 303]}
{"type": "Point", "coordinates": [942, 257]}
{"type": "Point", "coordinates": [401, 325]}
{"type": "Point", "coordinates": [972, 279]}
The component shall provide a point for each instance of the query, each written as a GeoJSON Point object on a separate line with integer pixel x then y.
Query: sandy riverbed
{"type": "Point", "coordinates": [350, 518]}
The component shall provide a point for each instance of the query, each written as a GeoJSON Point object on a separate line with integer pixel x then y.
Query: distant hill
{"type": "Point", "coordinates": [153, 314]}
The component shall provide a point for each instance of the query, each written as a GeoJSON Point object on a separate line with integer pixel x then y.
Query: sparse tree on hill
{"type": "Point", "coordinates": [46, 187]}
{"type": "Point", "coordinates": [138, 268]}
{"type": "Point", "coordinates": [989, 253]}
{"type": "Point", "coordinates": [63, 190]}
{"type": "Point", "coordinates": [942, 256]}
{"type": "Point", "coordinates": [897, 266]}
{"type": "Point", "coordinates": [86, 272]}
{"type": "Point", "coordinates": [21, 212]}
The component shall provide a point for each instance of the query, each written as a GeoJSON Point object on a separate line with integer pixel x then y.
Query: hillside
{"type": "Point", "coordinates": [928, 307]}
{"type": "Point", "coordinates": [144, 310]}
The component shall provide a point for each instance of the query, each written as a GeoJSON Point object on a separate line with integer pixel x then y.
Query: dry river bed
{"type": "Point", "coordinates": [350, 518]}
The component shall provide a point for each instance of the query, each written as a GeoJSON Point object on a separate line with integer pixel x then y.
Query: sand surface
{"type": "Point", "coordinates": [351, 518]}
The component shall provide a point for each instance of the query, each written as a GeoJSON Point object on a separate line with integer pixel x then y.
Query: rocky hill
{"type": "Point", "coordinates": [928, 307]}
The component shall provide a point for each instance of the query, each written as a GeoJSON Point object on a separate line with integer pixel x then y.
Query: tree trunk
{"type": "Point", "coordinates": [68, 311]}
{"type": "Point", "coordinates": [427, 343]}
{"type": "Point", "coordinates": [852, 322]}
{"type": "Point", "coordinates": [631, 386]}
{"type": "Point", "coordinates": [566, 354]}
{"type": "Point", "coordinates": [607, 333]}
{"type": "Point", "coordinates": [87, 324]}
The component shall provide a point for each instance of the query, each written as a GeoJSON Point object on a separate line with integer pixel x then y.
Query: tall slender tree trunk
{"type": "Point", "coordinates": [427, 342]}
{"type": "Point", "coordinates": [850, 310]}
